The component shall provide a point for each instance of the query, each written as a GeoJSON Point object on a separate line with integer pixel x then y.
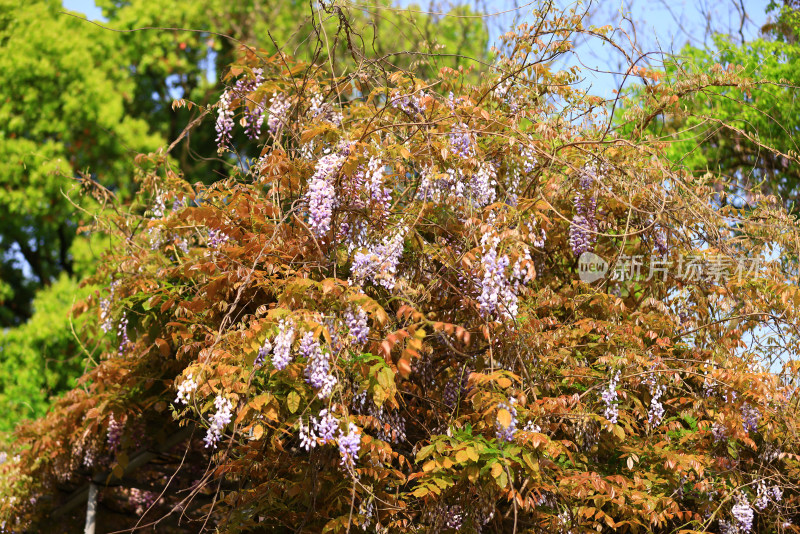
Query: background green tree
{"type": "Point", "coordinates": [725, 129]}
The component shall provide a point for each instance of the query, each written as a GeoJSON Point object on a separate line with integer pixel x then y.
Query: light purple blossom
{"type": "Point", "coordinates": [462, 141]}
{"type": "Point", "coordinates": [114, 434]}
{"type": "Point", "coordinates": [141, 500]}
{"type": "Point", "coordinates": [378, 263]}
{"type": "Point", "coordinates": [506, 433]}
{"type": "Point", "coordinates": [217, 238]}
{"type": "Point", "coordinates": [656, 412]}
{"type": "Point", "coordinates": [453, 186]}
{"type": "Point", "coordinates": [319, 109]}
{"type": "Point", "coordinates": [750, 417]}
{"type": "Point", "coordinates": [308, 439]}
{"type": "Point", "coordinates": [158, 206]}
{"type": "Point", "coordinates": [609, 397]}
{"type": "Point", "coordinates": [219, 421]}
{"type": "Point", "coordinates": [411, 104]}
{"type": "Point", "coordinates": [224, 120]}
{"type": "Point", "coordinates": [483, 185]}
{"type": "Point", "coordinates": [325, 426]}
{"type": "Point", "coordinates": [381, 196]}
{"type": "Point", "coordinates": [765, 494]}
{"type": "Point", "coordinates": [349, 445]}
{"type": "Point", "coordinates": [742, 513]}
{"type": "Point", "coordinates": [107, 323]}
{"type": "Point", "coordinates": [499, 289]}
{"type": "Point", "coordinates": [282, 350]}
{"type": "Point", "coordinates": [718, 432]}
{"type": "Point", "coordinates": [278, 112]}
{"type": "Point", "coordinates": [321, 195]}
{"type": "Point", "coordinates": [185, 390]}
{"type": "Point", "coordinates": [261, 357]}
{"type": "Point", "coordinates": [122, 333]}
{"type": "Point", "coordinates": [357, 324]}
{"type": "Point", "coordinates": [583, 228]}
{"type": "Point", "coordinates": [318, 368]}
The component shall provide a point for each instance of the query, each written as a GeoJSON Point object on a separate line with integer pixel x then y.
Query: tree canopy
{"type": "Point", "coordinates": [746, 133]}
{"type": "Point", "coordinates": [381, 319]}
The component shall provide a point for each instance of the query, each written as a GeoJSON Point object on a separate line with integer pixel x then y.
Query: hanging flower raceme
{"type": "Point", "coordinates": [263, 351]}
{"type": "Point", "coordinates": [185, 390]}
{"type": "Point", "coordinates": [357, 325]}
{"type": "Point", "coordinates": [506, 422]}
{"type": "Point", "coordinates": [609, 397]}
{"type": "Point", "coordinates": [349, 445]}
{"type": "Point", "coordinates": [656, 412]}
{"type": "Point", "coordinates": [122, 334]}
{"type": "Point", "coordinates": [380, 196]}
{"type": "Point", "coordinates": [583, 228]}
{"type": "Point", "coordinates": [462, 141]}
{"type": "Point", "coordinates": [499, 289]}
{"type": "Point", "coordinates": [378, 263]}
{"type": "Point", "coordinates": [106, 318]}
{"type": "Point", "coordinates": [318, 368]}
{"type": "Point", "coordinates": [321, 196]}
{"type": "Point", "coordinates": [219, 421]}
{"type": "Point", "coordinates": [278, 112]}
{"type": "Point", "coordinates": [224, 120]}
{"type": "Point", "coordinates": [282, 350]}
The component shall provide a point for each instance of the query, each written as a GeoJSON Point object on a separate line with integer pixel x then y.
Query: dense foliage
{"type": "Point", "coordinates": [80, 99]}
{"type": "Point", "coordinates": [378, 322]}
{"type": "Point", "coordinates": [748, 134]}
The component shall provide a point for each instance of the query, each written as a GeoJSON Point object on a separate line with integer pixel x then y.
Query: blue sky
{"type": "Point", "coordinates": [660, 25]}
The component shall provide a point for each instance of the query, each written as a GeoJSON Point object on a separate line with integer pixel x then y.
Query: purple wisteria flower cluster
{"type": "Point", "coordinates": [224, 124]}
{"type": "Point", "coordinates": [498, 289]}
{"type": "Point", "coordinates": [454, 185]}
{"type": "Point", "coordinates": [278, 112]}
{"type": "Point", "coordinates": [506, 433]}
{"type": "Point", "coordinates": [319, 109]}
{"type": "Point", "coordinates": [462, 141]}
{"type": "Point", "coordinates": [185, 390]}
{"type": "Point", "coordinates": [122, 334]}
{"type": "Point", "coordinates": [742, 514]}
{"type": "Point", "coordinates": [219, 421]}
{"type": "Point", "coordinates": [114, 433]}
{"type": "Point", "coordinates": [583, 228]}
{"type": "Point", "coordinates": [321, 195]}
{"type": "Point", "coordinates": [282, 349]}
{"type": "Point", "coordinates": [456, 389]}
{"type": "Point", "coordinates": [216, 238]}
{"type": "Point", "coordinates": [412, 104]}
{"type": "Point", "coordinates": [349, 445]}
{"type": "Point", "coordinates": [718, 432]}
{"type": "Point", "coordinates": [609, 397]}
{"type": "Point", "coordinates": [141, 500]}
{"type": "Point", "coordinates": [106, 319]}
{"type": "Point", "coordinates": [380, 196]}
{"type": "Point", "coordinates": [323, 427]}
{"type": "Point", "coordinates": [750, 417]}
{"type": "Point", "coordinates": [159, 207]}
{"type": "Point", "coordinates": [378, 263]}
{"type": "Point", "coordinates": [656, 412]}
{"type": "Point", "coordinates": [318, 368]}
{"type": "Point", "coordinates": [254, 110]}
{"type": "Point", "coordinates": [263, 351]}
{"type": "Point", "coordinates": [765, 494]}
{"type": "Point", "coordinates": [357, 326]}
